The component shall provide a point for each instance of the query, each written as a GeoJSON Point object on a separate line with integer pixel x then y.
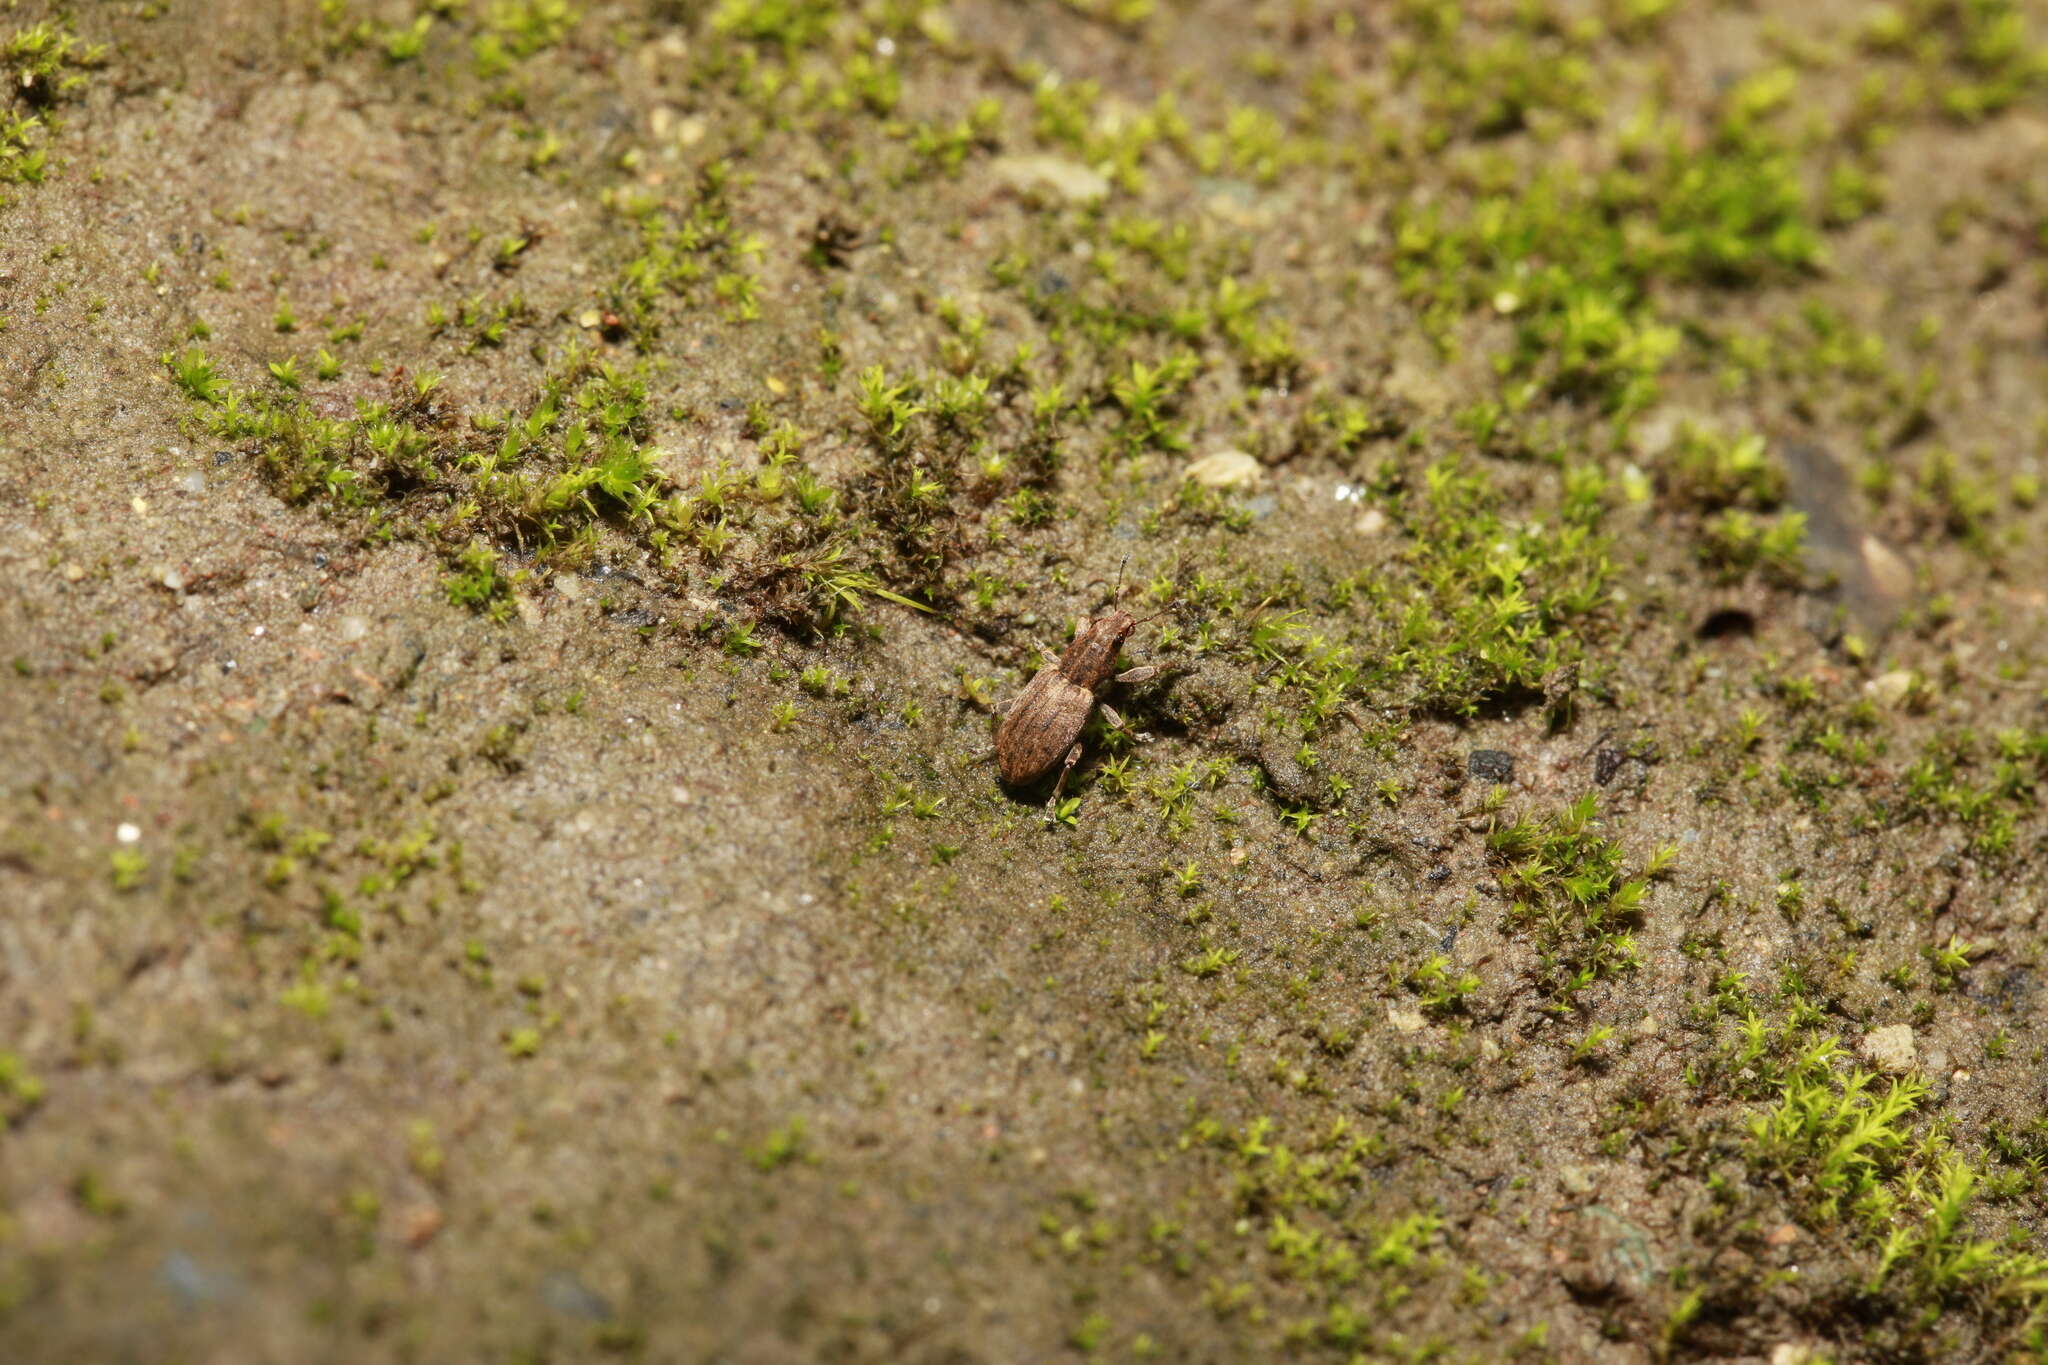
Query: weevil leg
{"type": "Point", "coordinates": [1117, 722]}
{"type": "Point", "coordinates": [1135, 675]}
{"type": "Point", "coordinates": [1045, 652]}
{"type": "Point", "coordinates": [1052, 802]}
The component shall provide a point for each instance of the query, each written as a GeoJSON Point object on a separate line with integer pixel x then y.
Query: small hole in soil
{"type": "Point", "coordinates": [1727, 624]}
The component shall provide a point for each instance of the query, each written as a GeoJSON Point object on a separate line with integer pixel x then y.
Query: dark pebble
{"type": "Point", "coordinates": [564, 1292]}
{"type": "Point", "coordinates": [1491, 765]}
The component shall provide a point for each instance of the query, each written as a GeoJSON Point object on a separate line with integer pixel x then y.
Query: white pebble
{"type": "Point", "coordinates": [1890, 1049]}
{"type": "Point", "coordinates": [1225, 469]}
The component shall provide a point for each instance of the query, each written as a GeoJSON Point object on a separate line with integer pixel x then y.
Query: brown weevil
{"type": "Point", "coordinates": [1043, 725]}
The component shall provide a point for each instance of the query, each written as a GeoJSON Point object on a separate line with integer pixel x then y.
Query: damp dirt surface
{"type": "Point", "coordinates": [518, 521]}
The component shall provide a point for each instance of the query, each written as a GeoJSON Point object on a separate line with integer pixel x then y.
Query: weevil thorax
{"type": "Point", "coordinates": [1091, 658]}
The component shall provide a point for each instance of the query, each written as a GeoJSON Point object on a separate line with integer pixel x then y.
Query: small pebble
{"type": "Point", "coordinates": [421, 1222]}
{"type": "Point", "coordinates": [1491, 765]}
{"type": "Point", "coordinates": [1889, 573]}
{"type": "Point", "coordinates": [1070, 180]}
{"type": "Point", "coordinates": [1225, 469]}
{"type": "Point", "coordinates": [1890, 1049]}
{"type": "Point", "coordinates": [568, 1295]}
{"type": "Point", "coordinates": [127, 833]}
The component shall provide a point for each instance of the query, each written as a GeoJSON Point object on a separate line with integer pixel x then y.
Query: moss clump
{"type": "Point", "coordinates": [1858, 1157]}
{"type": "Point", "coordinates": [1494, 607]}
{"type": "Point", "coordinates": [1569, 888]}
{"type": "Point", "coordinates": [43, 66]}
{"type": "Point", "coordinates": [1575, 262]}
{"type": "Point", "coordinates": [20, 1089]}
{"type": "Point", "coordinates": [1975, 58]}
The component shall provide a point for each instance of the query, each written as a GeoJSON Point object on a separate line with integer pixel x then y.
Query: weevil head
{"type": "Point", "coordinates": [1091, 658]}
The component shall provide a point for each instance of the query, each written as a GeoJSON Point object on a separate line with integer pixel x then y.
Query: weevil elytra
{"type": "Point", "coordinates": [1042, 727]}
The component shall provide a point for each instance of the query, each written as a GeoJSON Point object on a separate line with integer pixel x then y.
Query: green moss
{"type": "Point", "coordinates": [44, 65]}
{"type": "Point", "coordinates": [127, 867]}
{"type": "Point", "coordinates": [833, 359]}
{"type": "Point", "coordinates": [20, 1089]}
{"type": "Point", "coordinates": [1733, 543]}
{"type": "Point", "coordinates": [1489, 609]}
{"type": "Point", "coordinates": [782, 1147]}
{"type": "Point", "coordinates": [1569, 888]}
{"type": "Point", "coordinates": [1976, 56]}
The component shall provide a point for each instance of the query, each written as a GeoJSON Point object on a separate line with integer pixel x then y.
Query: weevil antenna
{"type": "Point", "coordinates": [1147, 620]}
